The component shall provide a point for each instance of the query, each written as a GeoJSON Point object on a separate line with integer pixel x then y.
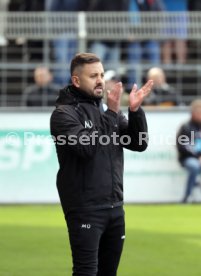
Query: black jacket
{"type": "Point", "coordinates": [189, 141]}
{"type": "Point", "coordinates": [91, 175]}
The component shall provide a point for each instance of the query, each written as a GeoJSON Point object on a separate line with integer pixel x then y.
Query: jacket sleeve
{"type": "Point", "coordinates": [68, 130]}
{"type": "Point", "coordinates": [135, 128]}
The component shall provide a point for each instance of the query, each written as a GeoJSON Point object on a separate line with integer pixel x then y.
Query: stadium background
{"type": "Point", "coordinates": [30, 37]}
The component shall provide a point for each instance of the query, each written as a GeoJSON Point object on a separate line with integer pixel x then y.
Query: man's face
{"type": "Point", "coordinates": [90, 78]}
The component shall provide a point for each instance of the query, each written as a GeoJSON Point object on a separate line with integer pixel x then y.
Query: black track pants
{"type": "Point", "coordinates": [96, 239]}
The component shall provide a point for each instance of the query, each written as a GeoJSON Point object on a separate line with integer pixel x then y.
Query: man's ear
{"type": "Point", "coordinates": [75, 81]}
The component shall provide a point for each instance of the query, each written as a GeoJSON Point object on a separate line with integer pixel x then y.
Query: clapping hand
{"type": "Point", "coordinates": [114, 97]}
{"type": "Point", "coordinates": [136, 96]}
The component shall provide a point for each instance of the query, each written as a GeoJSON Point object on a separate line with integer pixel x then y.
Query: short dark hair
{"type": "Point", "coordinates": [81, 59]}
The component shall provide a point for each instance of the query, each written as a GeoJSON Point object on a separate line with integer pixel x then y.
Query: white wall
{"type": "Point", "coordinates": [28, 169]}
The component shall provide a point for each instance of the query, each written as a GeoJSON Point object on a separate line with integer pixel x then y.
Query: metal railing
{"type": "Point", "coordinates": [88, 27]}
{"type": "Point", "coordinates": [101, 25]}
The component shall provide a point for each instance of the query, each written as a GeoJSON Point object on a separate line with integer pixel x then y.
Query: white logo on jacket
{"type": "Point", "coordinates": [88, 124]}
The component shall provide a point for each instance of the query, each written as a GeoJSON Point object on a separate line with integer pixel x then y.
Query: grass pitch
{"type": "Point", "coordinates": [161, 240]}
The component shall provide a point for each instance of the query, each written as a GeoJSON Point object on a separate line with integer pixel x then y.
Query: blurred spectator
{"type": "Point", "coordinates": [178, 46]}
{"type": "Point", "coordinates": [43, 92]}
{"type": "Point", "coordinates": [189, 148]}
{"type": "Point", "coordinates": [65, 47]}
{"type": "Point", "coordinates": [3, 8]}
{"type": "Point", "coordinates": [194, 5]}
{"type": "Point", "coordinates": [149, 50]}
{"type": "Point", "coordinates": [25, 5]}
{"type": "Point", "coordinates": [162, 93]}
{"type": "Point", "coordinates": [108, 51]}
{"type": "Point", "coordinates": [35, 47]}
{"type": "Point", "coordinates": [194, 44]}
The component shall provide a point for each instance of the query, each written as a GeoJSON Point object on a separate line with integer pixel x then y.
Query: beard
{"type": "Point", "coordinates": [99, 91]}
